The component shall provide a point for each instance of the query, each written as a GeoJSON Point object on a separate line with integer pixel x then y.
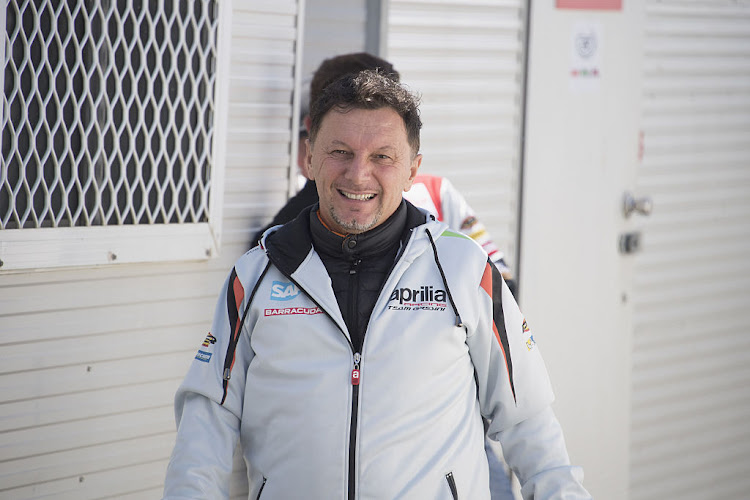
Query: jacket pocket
{"type": "Point", "coordinates": [260, 491]}
{"type": "Point", "coordinates": [452, 485]}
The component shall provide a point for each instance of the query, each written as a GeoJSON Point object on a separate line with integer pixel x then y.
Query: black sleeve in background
{"type": "Point", "coordinates": [307, 196]}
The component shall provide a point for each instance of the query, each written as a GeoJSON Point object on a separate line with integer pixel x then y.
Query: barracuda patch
{"type": "Point", "coordinates": [285, 311]}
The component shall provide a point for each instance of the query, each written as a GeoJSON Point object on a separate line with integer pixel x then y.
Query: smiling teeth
{"type": "Point", "coordinates": [361, 197]}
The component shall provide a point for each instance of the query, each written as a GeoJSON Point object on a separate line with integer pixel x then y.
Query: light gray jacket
{"type": "Point", "coordinates": [446, 344]}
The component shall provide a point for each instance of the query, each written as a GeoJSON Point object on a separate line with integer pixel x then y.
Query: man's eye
{"type": "Point", "coordinates": [339, 152]}
{"type": "Point", "coordinates": [382, 157]}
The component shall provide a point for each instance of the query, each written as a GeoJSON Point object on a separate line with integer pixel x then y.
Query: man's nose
{"type": "Point", "coordinates": [359, 168]}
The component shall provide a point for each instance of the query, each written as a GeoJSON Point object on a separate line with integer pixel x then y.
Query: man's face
{"type": "Point", "coordinates": [361, 162]}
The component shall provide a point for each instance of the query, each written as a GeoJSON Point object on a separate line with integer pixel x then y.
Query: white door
{"type": "Point", "coordinates": [581, 150]}
{"type": "Point", "coordinates": [691, 348]}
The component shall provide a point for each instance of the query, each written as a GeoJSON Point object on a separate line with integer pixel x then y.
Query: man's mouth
{"type": "Point", "coordinates": [358, 197]}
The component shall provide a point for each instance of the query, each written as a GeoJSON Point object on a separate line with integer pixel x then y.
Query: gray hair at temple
{"type": "Point", "coordinates": [368, 89]}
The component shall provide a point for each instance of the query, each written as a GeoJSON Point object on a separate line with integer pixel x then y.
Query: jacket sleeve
{"type": "Point", "coordinates": [535, 450]}
{"type": "Point", "coordinates": [515, 396]}
{"type": "Point", "coordinates": [208, 409]}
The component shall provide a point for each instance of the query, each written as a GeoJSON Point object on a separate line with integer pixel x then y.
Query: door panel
{"type": "Point", "coordinates": [691, 348]}
{"type": "Point", "coordinates": [581, 157]}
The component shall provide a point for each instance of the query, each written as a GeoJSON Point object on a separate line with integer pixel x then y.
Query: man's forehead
{"type": "Point", "coordinates": [337, 125]}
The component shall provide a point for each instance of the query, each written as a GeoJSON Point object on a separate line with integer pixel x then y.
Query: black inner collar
{"type": "Point", "coordinates": [376, 241]}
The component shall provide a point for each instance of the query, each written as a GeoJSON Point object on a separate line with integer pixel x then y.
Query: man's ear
{"type": "Point", "coordinates": [413, 169]}
{"type": "Point", "coordinates": [307, 168]}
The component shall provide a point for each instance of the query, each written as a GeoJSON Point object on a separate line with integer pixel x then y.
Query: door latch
{"type": "Point", "coordinates": [630, 242]}
{"type": "Point", "coordinates": [630, 204]}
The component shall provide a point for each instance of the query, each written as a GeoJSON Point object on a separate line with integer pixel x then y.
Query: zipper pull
{"type": "Point", "coordinates": [353, 267]}
{"type": "Point", "coordinates": [355, 371]}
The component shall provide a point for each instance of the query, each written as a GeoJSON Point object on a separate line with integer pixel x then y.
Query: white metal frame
{"type": "Point", "coordinates": [293, 176]}
{"type": "Point", "coordinates": [90, 245]}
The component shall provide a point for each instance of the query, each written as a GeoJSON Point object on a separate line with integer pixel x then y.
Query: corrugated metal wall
{"type": "Point", "coordinates": [263, 57]}
{"type": "Point", "coordinates": [91, 357]}
{"type": "Point", "coordinates": [691, 373]}
{"type": "Point", "coordinates": [466, 59]}
{"type": "Point", "coordinates": [264, 45]}
{"type": "Point", "coordinates": [332, 27]}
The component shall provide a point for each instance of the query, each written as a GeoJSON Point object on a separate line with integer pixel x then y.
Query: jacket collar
{"type": "Point", "coordinates": [287, 246]}
{"type": "Point", "coordinates": [376, 241]}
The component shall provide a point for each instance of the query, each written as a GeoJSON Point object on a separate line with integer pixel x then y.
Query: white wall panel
{"type": "Point", "coordinates": [466, 58]}
{"type": "Point", "coordinates": [691, 405]}
{"type": "Point", "coordinates": [332, 27]}
{"type": "Point", "coordinates": [91, 357]}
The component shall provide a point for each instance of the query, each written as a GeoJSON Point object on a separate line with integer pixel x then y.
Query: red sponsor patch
{"type": "Point", "coordinates": [285, 311]}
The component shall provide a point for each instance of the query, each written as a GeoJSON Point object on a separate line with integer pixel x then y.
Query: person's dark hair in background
{"type": "Point", "coordinates": [334, 68]}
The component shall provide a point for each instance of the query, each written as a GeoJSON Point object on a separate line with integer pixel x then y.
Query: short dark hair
{"type": "Point", "coordinates": [368, 90]}
{"type": "Point", "coordinates": [335, 67]}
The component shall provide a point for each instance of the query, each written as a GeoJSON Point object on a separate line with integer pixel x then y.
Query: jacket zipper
{"type": "Point", "coordinates": [355, 386]}
{"type": "Point", "coordinates": [353, 314]}
{"type": "Point", "coordinates": [452, 485]}
{"type": "Point", "coordinates": [263, 485]}
{"type": "Point", "coordinates": [353, 428]}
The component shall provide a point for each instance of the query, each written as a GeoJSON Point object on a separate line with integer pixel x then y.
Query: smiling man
{"type": "Point", "coordinates": [362, 162]}
{"type": "Point", "coordinates": [356, 351]}
{"type": "Point", "coordinates": [363, 155]}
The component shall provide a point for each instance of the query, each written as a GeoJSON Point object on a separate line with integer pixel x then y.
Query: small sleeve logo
{"type": "Point", "coordinates": [530, 342]}
{"type": "Point", "coordinates": [203, 356]}
{"type": "Point", "coordinates": [210, 339]}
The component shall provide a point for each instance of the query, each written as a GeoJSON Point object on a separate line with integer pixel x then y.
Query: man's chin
{"type": "Point", "coordinates": [354, 225]}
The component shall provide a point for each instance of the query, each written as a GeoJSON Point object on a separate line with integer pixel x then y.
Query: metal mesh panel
{"type": "Point", "coordinates": [107, 112]}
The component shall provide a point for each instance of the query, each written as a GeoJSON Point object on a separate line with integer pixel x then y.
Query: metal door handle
{"type": "Point", "coordinates": [643, 205]}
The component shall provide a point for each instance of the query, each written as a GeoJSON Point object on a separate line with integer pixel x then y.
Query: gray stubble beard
{"type": "Point", "coordinates": [353, 226]}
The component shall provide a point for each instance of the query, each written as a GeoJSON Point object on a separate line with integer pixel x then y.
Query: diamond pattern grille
{"type": "Point", "coordinates": [107, 114]}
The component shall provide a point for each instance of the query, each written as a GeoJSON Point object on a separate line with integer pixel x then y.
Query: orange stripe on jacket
{"type": "Point", "coordinates": [486, 285]}
{"type": "Point", "coordinates": [239, 296]}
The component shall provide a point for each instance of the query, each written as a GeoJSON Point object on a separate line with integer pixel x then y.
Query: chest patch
{"type": "Point", "coordinates": [417, 299]}
{"type": "Point", "coordinates": [281, 290]}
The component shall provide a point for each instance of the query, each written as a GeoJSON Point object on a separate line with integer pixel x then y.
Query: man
{"type": "Point", "coordinates": [433, 193]}
{"type": "Point", "coordinates": [355, 352]}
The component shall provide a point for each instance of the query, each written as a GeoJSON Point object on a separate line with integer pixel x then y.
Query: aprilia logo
{"type": "Point", "coordinates": [421, 294]}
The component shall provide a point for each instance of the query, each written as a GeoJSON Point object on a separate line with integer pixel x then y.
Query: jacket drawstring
{"type": "Point", "coordinates": [235, 334]}
{"type": "Point", "coordinates": [459, 323]}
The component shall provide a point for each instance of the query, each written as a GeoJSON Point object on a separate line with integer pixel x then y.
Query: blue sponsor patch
{"type": "Point", "coordinates": [203, 356]}
{"type": "Point", "coordinates": [281, 290]}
